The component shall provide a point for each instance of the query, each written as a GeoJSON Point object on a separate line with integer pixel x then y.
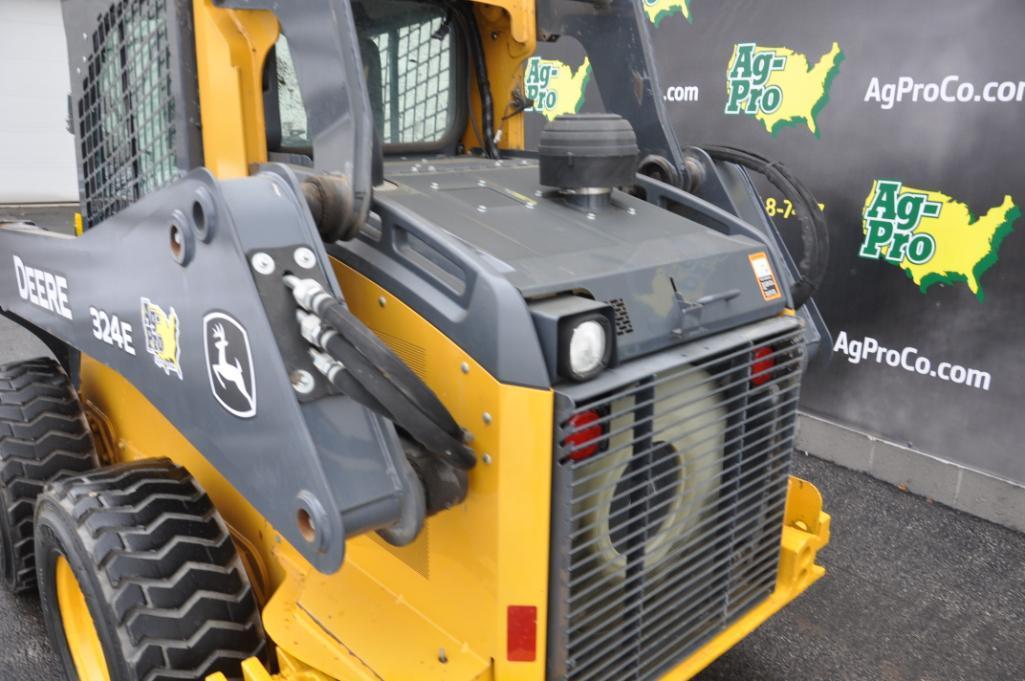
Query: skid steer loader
{"type": "Point", "coordinates": [347, 385]}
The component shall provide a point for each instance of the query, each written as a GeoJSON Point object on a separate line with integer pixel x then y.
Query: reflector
{"type": "Point", "coordinates": [761, 369]}
{"type": "Point", "coordinates": [583, 433]}
{"type": "Point", "coordinates": [521, 636]}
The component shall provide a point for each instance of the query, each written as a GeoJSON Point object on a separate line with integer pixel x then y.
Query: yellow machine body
{"type": "Point", "coordinates": [436, 609]}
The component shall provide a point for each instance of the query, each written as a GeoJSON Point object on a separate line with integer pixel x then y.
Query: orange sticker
{"type": "Point", "coordinates": [765, 277]}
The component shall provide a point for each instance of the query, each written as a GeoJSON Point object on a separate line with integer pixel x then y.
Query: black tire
{"type": "Point", "coordinates": [166, 590]}
{"type": "Point", "coordinates": [43, 436]}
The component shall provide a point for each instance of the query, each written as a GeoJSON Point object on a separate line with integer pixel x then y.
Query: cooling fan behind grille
{"type": "Point", "coordinates": [661, 491]}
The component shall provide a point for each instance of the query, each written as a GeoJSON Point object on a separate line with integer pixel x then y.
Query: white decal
{"type": "Point", "coordinates": [41, 288]}
{"type": "Point", "coordinates": [111, 330]}
{"type": "Point", "coordinates": [229, 364]}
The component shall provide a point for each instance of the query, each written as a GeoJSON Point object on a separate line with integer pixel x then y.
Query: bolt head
{"type": "Point", "coordinates": [262, 263]}
{"type": "Point", "coordinates": [304, 258]}
{"type": "Point", "coordinates": [382, 301]}
{"type": "Point", "coordinates": [487, 418]}
{"type": "Point", "coordinates": [464, 367]}
{"type": "Point", "coordinates": [486, 459]}
{"type": "Point", "coordinates": [302, 381]}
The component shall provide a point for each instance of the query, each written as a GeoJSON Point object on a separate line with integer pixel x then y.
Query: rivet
{"type": "Point", "coordinates": [538, 193]}
{"type": "Point", "coordinates": [464, 367]}
{"type": "Point", "coordinates": [591, 216]}
{"type": "Point", "coordinates": [382, 301]}
{"type": "Point", "coordinates": [442, 657]}
{"type": "Point", "coordinates": [304, 258]}
{"type": "Point", "coordinates": [530, 205]}
{"type": "Point", "coordinates": [631, 210]}
{"type": "Point", "coordinates": [482, 183]}
{"type": "Point", "coordinates": [431, 168]}
{"type": "Point", "coordinates": [262, 263]}
{"type": "Point", "coordinates": [434, 185]}
{"type": "Point", "coordinates": [486, 459]}
{"type": "Point", "coordinates": [482, 208]}
{"type": "Point", "coordinates": [487, 418]}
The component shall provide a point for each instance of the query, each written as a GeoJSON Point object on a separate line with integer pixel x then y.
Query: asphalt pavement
{"type": "Point", "coordinates": [914, 591]}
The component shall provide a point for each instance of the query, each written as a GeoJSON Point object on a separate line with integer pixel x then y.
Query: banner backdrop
{"type": "Point", "coordinates": [907, 121]}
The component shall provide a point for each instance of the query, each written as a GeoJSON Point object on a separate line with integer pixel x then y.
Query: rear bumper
{"type": "Point", "coordinates": [805, 531]}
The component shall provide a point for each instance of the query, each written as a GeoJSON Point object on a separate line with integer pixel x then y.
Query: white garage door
{"type": "Point", "coordinates": [37, 153]}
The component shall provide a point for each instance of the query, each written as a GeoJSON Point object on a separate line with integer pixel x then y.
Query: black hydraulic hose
{"type": "Point", "coordinates": [814, 231]}
{"type": "Point", "coordinates": [468, 23]}
{"type": "Point", "coordinates": [384, 383]}
{"type": "Point", "coordinates": [397, 406]}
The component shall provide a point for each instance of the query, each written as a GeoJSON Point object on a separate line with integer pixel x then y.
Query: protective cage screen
{"type": "Point", "coordinates": [416, 94]}
{"type": "Point", "coordinates": [131, 105]}
{"type": "Point", "coordinates": [666, 525]}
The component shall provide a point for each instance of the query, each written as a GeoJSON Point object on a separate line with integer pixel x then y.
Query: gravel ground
{"type": "Point", "coordinates": [914, 592]}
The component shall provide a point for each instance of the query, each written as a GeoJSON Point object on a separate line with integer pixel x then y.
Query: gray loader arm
{"type": "Point", "coordinates": [181, 293]}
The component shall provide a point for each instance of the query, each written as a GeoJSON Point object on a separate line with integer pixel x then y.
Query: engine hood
{"type": "Point", "coordinates": [667, 277]}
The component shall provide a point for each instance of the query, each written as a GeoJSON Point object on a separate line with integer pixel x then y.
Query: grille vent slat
{"type": "Point", "coordinates": [670, 532]}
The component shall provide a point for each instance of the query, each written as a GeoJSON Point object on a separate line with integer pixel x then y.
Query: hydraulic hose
{"type": "Point", "coordinates": [367, 370]}
{"type": "Point", "coordinates": [814, 231]}
{"type": "Point", "coordinates": [463, 13]}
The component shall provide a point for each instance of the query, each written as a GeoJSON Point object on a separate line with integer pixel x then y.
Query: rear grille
{"type": "Point", "coordinates": [668, 531]}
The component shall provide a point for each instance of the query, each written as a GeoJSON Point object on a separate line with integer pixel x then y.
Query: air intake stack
{"type": "Point", "coordinates": [585, 156]}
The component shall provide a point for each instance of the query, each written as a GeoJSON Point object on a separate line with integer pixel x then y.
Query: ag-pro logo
{"type": "Point", "coordinates": [555, 88]}
{"type": "Point", "coordinates": [891, 219]}
{"type": "Point", "coordinates": [778, 87]}
{"type": "Point", "coordinates": [932, 237]}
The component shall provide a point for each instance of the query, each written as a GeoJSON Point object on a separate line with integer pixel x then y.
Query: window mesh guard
{"type": "Point", "coordinates": [132, 96]}
{"type": "Point", "coordinates": [416, 74]}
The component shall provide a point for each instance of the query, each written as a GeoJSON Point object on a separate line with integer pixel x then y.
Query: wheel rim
{"type": "Point", "coordinates": [79, 630]}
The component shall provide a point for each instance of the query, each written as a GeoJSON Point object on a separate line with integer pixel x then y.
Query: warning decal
{"type": "Point", "coordinates": [767, 283]}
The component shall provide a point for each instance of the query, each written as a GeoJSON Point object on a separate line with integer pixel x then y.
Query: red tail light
{"type": "Point", "coordinates": [521, 637]}
{"type": "Point", "coordinates": [761, 368]}
{"type": "Point", "coordinates": [586, 428]}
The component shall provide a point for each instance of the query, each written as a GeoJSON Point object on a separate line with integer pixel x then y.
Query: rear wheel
{"type": "Point", "coordinates": [43, 436]}
{"type": "Point", "coordinates": [139, 578]}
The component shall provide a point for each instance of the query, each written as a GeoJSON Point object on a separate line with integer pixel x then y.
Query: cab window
{"type": "Point", "coordinates": [410, 68]}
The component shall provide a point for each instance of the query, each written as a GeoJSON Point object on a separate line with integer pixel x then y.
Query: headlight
{"type": "Point", "coordinates": [586, 347]}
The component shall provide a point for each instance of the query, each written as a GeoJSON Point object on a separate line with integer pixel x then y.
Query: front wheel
{"type": "Point", "coordinates": [139, 578]}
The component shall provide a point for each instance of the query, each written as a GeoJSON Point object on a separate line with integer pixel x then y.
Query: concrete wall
{"type": "Point", "coordinates": [952, 484]}
{"type": "Point", "coordinates": [37, 153]}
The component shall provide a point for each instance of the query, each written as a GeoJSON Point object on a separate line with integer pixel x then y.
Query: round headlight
{"type": "Point", "coordinates": [587, 348]}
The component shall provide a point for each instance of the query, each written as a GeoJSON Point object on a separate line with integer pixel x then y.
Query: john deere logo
{"type": "Point", "coordinates": [932, 237]}
{"type": "Point", "coordinates": [778, 87]}
{"type": "Point", "coordinates": [229, 364]}
{"type": "Point", "coordinates": [555, 88]}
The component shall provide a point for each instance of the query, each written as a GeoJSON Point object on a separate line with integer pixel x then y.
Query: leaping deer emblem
{"type": "Point", "coordinates": [223, 370]}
